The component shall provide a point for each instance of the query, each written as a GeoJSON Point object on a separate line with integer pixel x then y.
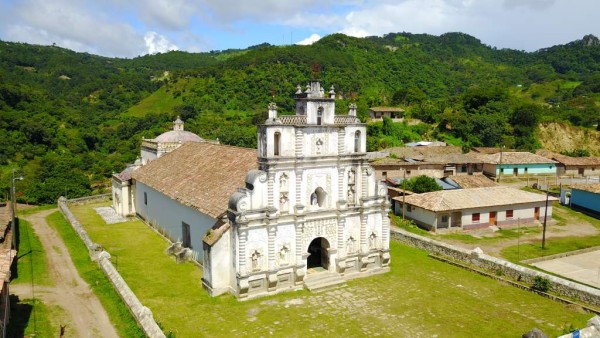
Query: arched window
{"type": "Point", "coordinates": [357, 141]}
{"type": "Point", "coordinates": [276, 143]}
{"type": "Point", "coordinates": [320, 116]}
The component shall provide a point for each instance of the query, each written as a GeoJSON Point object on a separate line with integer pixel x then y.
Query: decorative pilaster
{"type": "Point", "coordinates": [298, 186]}
{"type": "Point", "coordinates": [341, 141]}
{"type": "Point", "coordinates": [364, 245]}
{"type": "Point", "coordinates": [364, 186]}
{"type": "Point", "coordinates": [385, 231]}
{"type": "Point", "coordinates": [299, 246]}
{"type": "Point", "coordinates": [341, 175]}
{"type": "Point", "coordinates": [299, 142]}
{"type": "Point", "coordinates": [271, 243]}
{"type": "Point", "coordinates": [243, 238]}
{"type": "Point", "coordinates": [270, 192]}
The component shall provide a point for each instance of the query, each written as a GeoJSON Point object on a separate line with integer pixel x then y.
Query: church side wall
{"type": "Point", "coordinates": [167, 214]}
{"type": "Point", "coordinates": [218, 267]}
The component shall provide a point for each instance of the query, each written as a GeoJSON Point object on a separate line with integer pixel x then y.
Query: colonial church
{"type": "Point", "coordinates": [311, 205]}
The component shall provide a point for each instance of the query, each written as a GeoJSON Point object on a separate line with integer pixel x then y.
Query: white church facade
{"type": "Point", "coordinates": [312, 205]}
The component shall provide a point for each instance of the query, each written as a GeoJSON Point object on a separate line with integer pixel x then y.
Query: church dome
{"type": "Point", "coordinates": [178, 135]}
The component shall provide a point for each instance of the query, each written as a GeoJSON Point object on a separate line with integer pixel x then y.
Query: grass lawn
{"type": "Point", "coordinates": [563, 215]}
{"type": "Point", "coordinates": [420, 296]}
{"type": "Point", "coordinates": [31, 258]}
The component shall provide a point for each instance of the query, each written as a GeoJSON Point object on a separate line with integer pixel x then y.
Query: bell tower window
{"type": "Point", "coordinates": [357, 141]}
{"type": "Point", "coordinates": [276, 143]}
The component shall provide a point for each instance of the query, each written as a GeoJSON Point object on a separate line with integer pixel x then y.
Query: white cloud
{"type": "Point", "coordinates": [309, 40]}
{"type": "Point", "coordinates": [156, 43]}
{"type": "Point", "coordinates": [72, 25]}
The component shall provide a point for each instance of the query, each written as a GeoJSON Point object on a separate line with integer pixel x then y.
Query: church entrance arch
{"type": "Point", "coordinates": [318, 254]}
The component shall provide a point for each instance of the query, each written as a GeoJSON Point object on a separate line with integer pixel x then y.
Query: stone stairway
{"type": "Point", "coordinates": [321, 281]}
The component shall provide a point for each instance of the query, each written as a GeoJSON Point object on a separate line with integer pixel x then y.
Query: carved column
{"type": "Point", "coordinates": [299, 244]}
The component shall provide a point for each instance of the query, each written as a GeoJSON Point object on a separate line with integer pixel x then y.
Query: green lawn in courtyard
{"type": "Point", "coordinates": [420, 296]}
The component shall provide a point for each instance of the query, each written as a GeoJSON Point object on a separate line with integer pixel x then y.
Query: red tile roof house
{"type": "Point", "coordinates": [476, 208]}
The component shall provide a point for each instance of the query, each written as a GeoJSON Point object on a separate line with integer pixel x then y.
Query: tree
{"type": "Point", "coordinates": [421, 184]}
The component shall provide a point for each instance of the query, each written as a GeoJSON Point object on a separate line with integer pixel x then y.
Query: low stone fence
{"type": "Point", "coordinates": [142, 314]}
{"type": "Point", "coordinates": [88, 199]}
{"type": "Point", "coordinates": [498, 266]}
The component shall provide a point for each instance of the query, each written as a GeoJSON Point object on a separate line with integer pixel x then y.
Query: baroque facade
{"type": "Point", "coordinates": [313, 205]}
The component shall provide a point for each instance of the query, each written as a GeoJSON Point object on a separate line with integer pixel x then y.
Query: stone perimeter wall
{"type": "Point", "coordinates": [495, 265]}
{"type": "Point", "coordinates": [142, 314]}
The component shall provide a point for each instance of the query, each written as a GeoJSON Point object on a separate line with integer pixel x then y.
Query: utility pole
{"type": "Point", "coordinates": [13, 201]}
{"type": "Point", "coordinates": [545, 216]}
{"type": "Point", "coordinates": [403, 194]}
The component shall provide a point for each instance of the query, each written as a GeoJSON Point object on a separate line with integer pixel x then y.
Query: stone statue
{"type": "Point", "coordinates": [351, 176]}
{"type": "Point", "coordinates": [351, 194]}
{"type": "Point", "coordinates": [372, 241]}
{"type": "Point", "coordinates": [255, 257]}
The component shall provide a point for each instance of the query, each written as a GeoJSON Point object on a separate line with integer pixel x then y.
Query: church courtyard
{"type": "Point", "coordinates": [420, 297]}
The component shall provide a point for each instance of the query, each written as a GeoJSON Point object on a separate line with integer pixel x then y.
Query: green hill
{"type": "Point", "coordinates": [71, 119]}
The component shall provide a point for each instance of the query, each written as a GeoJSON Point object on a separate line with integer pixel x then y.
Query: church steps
{"type": "Point", "coordinates": [322, 281]}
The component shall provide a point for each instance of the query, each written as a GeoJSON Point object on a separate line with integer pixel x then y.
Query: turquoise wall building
{"type": "Point", "coordinates": [517, 163]}
{"type": "Point", "coordinates": [586, 198]}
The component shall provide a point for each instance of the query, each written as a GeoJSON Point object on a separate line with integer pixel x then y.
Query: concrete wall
{"type": "Point", "coordinates": [498, 266]}
{"type": "Point", "coordinates": [398, 172]}
{"type": "Point", "coordinates": [585, 199]}
{"type": "Point", "coordinates": [522, 169]}
{"type": "Point", "coordinates": [167, 214]}
{"type": "Point", "coordinates": [142, 314]}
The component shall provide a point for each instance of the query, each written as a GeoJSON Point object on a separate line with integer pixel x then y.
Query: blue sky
{"type": "Point", "coordinates": [128, 28]}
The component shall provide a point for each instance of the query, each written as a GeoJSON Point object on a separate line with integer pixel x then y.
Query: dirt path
{"type": "Point", "coordinates": [87, 317]}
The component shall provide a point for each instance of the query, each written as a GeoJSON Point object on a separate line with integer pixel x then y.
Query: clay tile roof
{"type": "Point", "coordinates": [459, 199]}
{"type": "Point", "coordinates": [595, 188]}
{"type": "Point", "coordinates": [387, 109]}
{"type": "Point", "coordinates": [570, 161]}
{"type": "Point", "coordinates": [473, 181]}
{"type": "Point", "coordinates": [200, 175]}
{"type": "Point", "coordinates": [516, 157]}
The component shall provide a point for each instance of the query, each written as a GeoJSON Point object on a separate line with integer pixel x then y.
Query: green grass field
{"type": "Point", "coordinates": [31, 258]}
{"type": "Point", "coordinates": [420, 296]}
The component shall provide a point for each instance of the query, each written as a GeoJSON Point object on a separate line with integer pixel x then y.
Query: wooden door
{"type": "Point", "coordinates": [492, 218]}
{"type": "Point", "coordinates": [536, 213]}
{"type": "Point", "coordinates": [516, 171]}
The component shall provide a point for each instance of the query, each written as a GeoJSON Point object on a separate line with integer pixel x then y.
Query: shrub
{"type": "Point", "coordinates": [541, 284]}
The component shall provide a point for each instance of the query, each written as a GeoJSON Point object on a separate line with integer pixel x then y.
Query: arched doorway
{"type": "Point", "coordinates": [318, 255]}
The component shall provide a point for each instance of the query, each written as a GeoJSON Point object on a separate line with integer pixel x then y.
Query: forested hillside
{"type": "Point", "coordinates": [70, 119]}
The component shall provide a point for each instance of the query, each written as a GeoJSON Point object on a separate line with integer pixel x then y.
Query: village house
{"type": "Point", "coordinates": [395, 168]}
{"type": "Point", "coordinates": [7, 255]}
{"type": "Point", "coordinates": [586, 198]}
{"type": "Point", "coordinates": [573, 166]}
{"type": "Point", "coordinates": [517, 163]}
{"type": "Point", "coordinates": [477, 208]}
{"type": "Point", "coordinates": [394, 113]}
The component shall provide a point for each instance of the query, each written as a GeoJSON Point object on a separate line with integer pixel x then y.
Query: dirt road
{"type": "Point", "coordinates": [87, 317]}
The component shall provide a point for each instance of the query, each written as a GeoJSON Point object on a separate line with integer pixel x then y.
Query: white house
{"type": "Point", "coordinates": [475, 208]}
{"type": "Point", "coordinates": [313, 206]}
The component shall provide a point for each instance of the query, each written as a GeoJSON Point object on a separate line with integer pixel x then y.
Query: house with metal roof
{"type": "Point", "coordinates": [477, 208]}
{"type": "Point", "coordinates": [378, 113]}
{"type": "Point", "coordinates": [586, 198]}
